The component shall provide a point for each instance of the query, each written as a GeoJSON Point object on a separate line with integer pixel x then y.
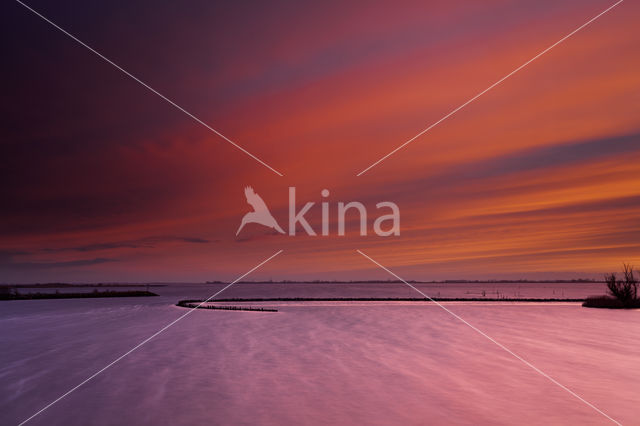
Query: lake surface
{"type": "Point", "coordinates": [333, 290]}
{"type": "Point", "coordinates": [320, 362]}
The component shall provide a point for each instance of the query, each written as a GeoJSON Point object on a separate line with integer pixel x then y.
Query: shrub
{"type": "Point", "coordinates": [626, 289]}
{"type": "Point", "coordinates": [623, 292]}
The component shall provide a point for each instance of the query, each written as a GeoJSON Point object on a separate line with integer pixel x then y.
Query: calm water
{"type": "Point", "coordinates": [320, 363]}
{"type": "Point", "coordinates": [400, 290]}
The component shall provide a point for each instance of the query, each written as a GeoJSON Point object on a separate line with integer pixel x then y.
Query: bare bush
{"type": "Point", "coordinates": [625, 289]}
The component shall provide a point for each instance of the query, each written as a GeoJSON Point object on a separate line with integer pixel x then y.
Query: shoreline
{"type": "Point", "coordinates": [86, 295]}
{"type": "Point", "coordinates": [385, 299]}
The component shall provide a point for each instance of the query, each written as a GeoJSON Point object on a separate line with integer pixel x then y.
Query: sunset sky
{"type": "Point", "coordinates": [104, 181]}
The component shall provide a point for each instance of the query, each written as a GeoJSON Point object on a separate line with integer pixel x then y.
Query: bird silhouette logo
{"type": "Point", "coordinates": [260, 213]}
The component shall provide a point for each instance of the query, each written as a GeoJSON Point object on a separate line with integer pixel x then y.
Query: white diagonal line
{"type": "Point", "coordinates": [150, 337]}
{"type": "Point", "coordinates": [490, 87]}
{"type": "Point", "coordinates": [127, 73]}
{"type": "Point", "coordinates": [500, 345]}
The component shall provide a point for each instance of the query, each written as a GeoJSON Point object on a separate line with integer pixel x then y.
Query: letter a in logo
{"type": "Point", "coordinates": [260, 213]}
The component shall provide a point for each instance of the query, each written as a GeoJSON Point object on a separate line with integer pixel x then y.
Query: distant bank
{"type": "Point", "coordinates": [381, 299]}
{"type": "Point", "coordinates": [94, 294]}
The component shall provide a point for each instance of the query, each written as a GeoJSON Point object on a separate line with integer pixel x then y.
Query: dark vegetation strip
{"type": "Point", "coordinates": [86, 295]}
{"type": "Point", "coordinates": [608, 302]}
{"type": "Point", "coordinates": [67, 285]}
{"type": "Point", "coordinates": [193, 304]}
